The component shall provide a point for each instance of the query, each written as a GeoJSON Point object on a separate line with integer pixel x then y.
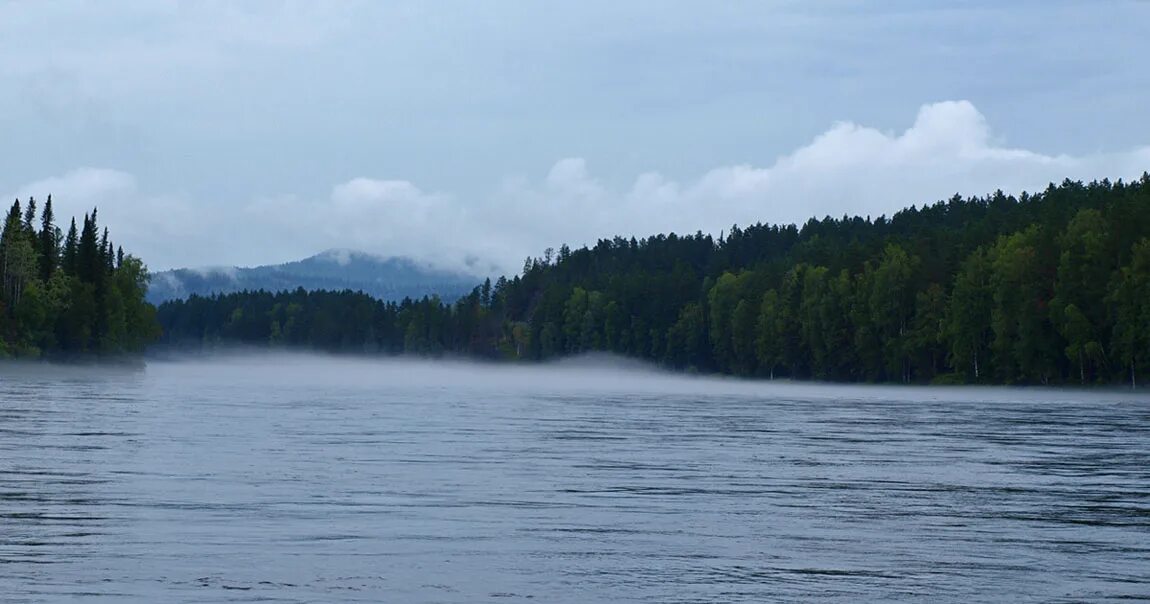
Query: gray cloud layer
{"type": "Point", "coordinates": [221, 132]}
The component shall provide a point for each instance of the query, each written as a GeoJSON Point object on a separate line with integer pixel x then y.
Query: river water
{"type": "Point", "coordinates": [302, 479]}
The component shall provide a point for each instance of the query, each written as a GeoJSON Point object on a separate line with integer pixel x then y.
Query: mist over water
{"type": "Point", "coordinates": [294, 478]}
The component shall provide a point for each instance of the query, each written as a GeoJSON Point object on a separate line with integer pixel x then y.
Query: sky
{"type": "Point", "coordinates": [470, 135]}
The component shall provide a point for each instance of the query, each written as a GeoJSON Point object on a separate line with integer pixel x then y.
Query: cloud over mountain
{"type": "Point", "coordinates": [848, 169]}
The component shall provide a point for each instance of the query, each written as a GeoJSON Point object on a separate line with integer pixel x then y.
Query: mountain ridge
{"type": "Point", "coordinates": [384, 277]}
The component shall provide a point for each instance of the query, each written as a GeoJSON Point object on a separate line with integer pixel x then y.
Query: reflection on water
{"type": "Point", "coordinates": [294, 479]}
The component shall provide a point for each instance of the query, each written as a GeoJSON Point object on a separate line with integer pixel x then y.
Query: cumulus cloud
{"type": "Point", "coordinates": [849, 169]}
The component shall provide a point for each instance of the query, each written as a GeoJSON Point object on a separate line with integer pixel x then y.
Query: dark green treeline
{"type": "Point", "coordinates": [69, 295]}
{"type": "Point", "coordinates": [1052, 287]}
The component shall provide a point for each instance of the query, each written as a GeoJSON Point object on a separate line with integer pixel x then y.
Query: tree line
{"type": "Point", "coordinates": [1044, 288]}
{"type": "Point", "coordinates": [69, 295]}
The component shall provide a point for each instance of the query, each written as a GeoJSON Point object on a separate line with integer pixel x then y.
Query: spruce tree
{"type": "Point", "coordinates": [30, 216]}
{"type": "Point", "coordinates": [13, 218]}
{"type": "Point", "coordinates": [98, 308]}
{"type": "Point", "coordinates": [88, 256]}
{"type": "Point", "coordinates": [71, 250]}
{"type": "Point", "coordinates": [106, 257]}
{"type": "Point", "coordinates": [8, 237]}
{"type": "Point", "coordinates": [17, 256]}
{"type": "Point", "coordinates": [49, 242]}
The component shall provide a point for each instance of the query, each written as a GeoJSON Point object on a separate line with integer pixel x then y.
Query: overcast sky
{"type": "Point", "coordinates": [220, 133]}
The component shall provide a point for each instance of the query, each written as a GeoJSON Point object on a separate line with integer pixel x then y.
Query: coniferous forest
{"type": "Point", "coordinates": [69, 296]}
{"type": "Point", "coordinates": [1045, 288]}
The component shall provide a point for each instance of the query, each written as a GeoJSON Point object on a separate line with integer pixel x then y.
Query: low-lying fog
{"type": "Point", "coordinates": [585, 374]}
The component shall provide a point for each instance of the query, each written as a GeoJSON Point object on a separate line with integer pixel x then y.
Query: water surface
{"type": "Point", "coordinates": [298, 479]}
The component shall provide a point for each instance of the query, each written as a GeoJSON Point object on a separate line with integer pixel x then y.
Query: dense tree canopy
{"type": "Point", "coordinates": [65, 296]}
{"type": "Point", "coordinates": [1045, 288]}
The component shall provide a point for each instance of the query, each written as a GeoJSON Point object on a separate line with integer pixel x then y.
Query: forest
{"type": "Point", "coordinates": [69, 296]}
{"type": "Point", "coordinates": [1043, 288]}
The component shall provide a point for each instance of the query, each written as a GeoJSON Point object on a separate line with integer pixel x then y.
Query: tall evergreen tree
{"type": "Point", "coordinates": [86, 300]}
{"type": "Point", "coordinates": [108, 258]}
{"type": "Point", "coordinates": [88, 255]}
{"type": "Point", "coordinates": [30, 216]}
{"type": "Point", "coordinates": [18, 261]}
{"type": "Point", "coordinates": [71, 254]}
{"type": "Point", "coordinates": [48, 242]}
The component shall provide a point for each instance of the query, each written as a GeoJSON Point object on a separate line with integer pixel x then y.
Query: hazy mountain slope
{"type": "Point", "coordinates": [385, 278]}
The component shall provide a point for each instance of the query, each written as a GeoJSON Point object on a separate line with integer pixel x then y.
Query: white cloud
{"type": "Point", "coordinates": [849, 169]}
{"type": "Point", "coordinates": [154, 226]}
{"type": "Point", "coordinates": [85, 183]}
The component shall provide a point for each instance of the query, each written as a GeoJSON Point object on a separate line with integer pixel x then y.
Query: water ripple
{"type": "Point", "coordinates": [338, 481]}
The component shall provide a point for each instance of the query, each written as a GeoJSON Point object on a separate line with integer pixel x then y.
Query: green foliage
{"type": "Point", "coordinates": [771, 333]}
{"type": "Point", "coordinates": [926, 340]}
{"type": "Point", "coordinates": [1024, 348]}
{"type": "Point", "coordinates": [1129, 293]}
{"type": "Point", "coordinates": [890, 301]}
{"type": "Point", "coordinates": [967, 321]}
{"type": "Point", "coordinates": [686, 344]}
{"type": "Point", "coordinates": [85, 301]}
{"type": "Point", "coordinates": [1048, 287]}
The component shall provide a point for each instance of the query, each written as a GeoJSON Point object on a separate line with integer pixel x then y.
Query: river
{"type": "Point", "coordinates": [304, 479]}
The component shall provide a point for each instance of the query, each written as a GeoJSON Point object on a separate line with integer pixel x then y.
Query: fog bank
{"type": "Point", "coordinates": [598, 374]}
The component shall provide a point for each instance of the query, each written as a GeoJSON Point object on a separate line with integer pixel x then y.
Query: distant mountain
{"type": "Point", "coordinates": [385, 278]}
